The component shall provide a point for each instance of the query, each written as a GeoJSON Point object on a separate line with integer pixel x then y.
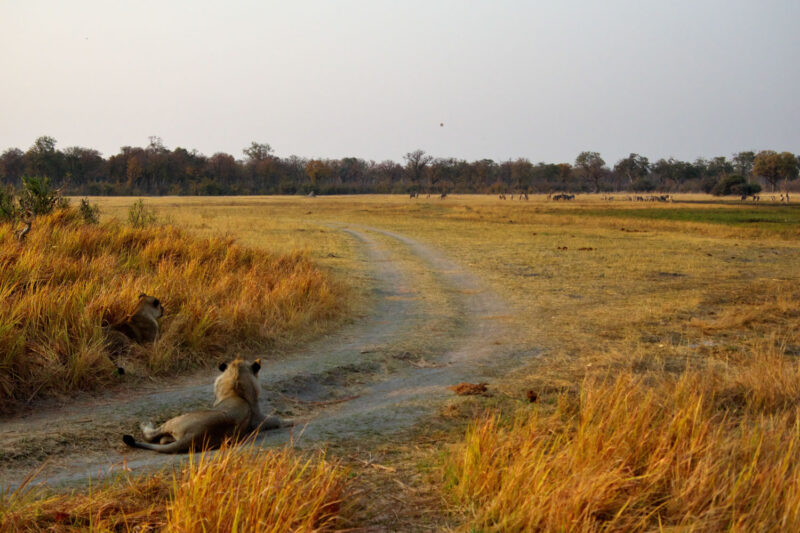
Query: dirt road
{"type": "Point", "coordinates": [432, 324]}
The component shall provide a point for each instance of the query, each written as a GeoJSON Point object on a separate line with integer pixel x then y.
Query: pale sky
{"type": "Point", "coordinates": [374, 79]}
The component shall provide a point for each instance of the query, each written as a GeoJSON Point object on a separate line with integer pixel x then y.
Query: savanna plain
{"type": "Point", "coordinates": [641, 363]}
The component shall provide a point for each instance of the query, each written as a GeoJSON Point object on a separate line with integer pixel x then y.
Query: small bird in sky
{"type": "Point", "coordinates": [441, 124]}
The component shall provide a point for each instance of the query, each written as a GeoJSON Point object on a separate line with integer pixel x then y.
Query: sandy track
{"type": "Point", "coordinates": [391, 365]}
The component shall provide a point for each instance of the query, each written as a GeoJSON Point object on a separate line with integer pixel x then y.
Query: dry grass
{"type": "Point", "coordinates": [701, 435]}
{"type": "Point", "coordinates": [68, 279]}
{"type": "Point", "coordinates": [230, 490]}
{"type": "Point", "coordinates": [664, 358]}
{"type": "Point", "coordinates": [711, 450]}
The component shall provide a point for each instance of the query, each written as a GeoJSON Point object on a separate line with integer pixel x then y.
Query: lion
{"type": "Point", "coordinates": [234, 414]}
{"type": "Point", "coordinates": [139, 327]}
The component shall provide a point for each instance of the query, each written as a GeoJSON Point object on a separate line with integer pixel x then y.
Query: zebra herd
{"type": "Point", "coordinates": [757, 198]}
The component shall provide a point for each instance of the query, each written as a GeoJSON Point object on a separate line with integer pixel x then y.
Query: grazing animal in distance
{"type": "Point", "coordinates": [139, 327]}
{"type": "Point", "coordinates": [234, 414]}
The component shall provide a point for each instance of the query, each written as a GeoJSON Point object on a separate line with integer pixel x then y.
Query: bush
{"type": "Point", "coordinates": [746, 189]}
{"type": "Point", "coordinates": [90, 213]}
{"type": "Point", "coordinates": [7, 209]}
{"type": "Point", "coordinates": [141, 216]}
{"type": "Point", "coordinates": [39, 197]}
{"type": "Point", "coordinates": [735, 184]}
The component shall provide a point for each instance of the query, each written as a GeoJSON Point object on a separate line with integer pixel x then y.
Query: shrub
{"type": "Point", "coordinates": [39, 196]}
{"type": "Point", "coordinates": [735, 184]}
{"type": "Point", "coordinates": [90, 213]}
{"type": "Point", "coordinates": [141, 216]}
{"type": "Point", "coordinates": [7, 209]}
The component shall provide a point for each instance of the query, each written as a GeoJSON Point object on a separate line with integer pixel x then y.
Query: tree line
{"type": "Point", "coordinates": [157, 170]}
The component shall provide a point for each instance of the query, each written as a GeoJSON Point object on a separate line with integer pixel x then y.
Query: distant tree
{"type": "Point", "coordinates": [671, 173]}
{"type": "Point", "coordinates": [787, 168]}
{"type": "Point", "coordinates": [743, 163]}
{"type": "Point", "coordinates": [223, 167]}
{"type": "Point", "coordinates": [564, 176]}
{"type": "Point", "coordinates": [351, 172]}
{"type": "Point", "coordinates": [389, 177]}
{"type": "Point", "coordinates": [485, 172]}
{"type": "Point", "coordinates": [12, 165]}
{"type": "Point", "coordinates": [156, 144]}
{"type": "Point", "coordinates": [258, 151]}
{"type": "Point", "coordinates": [42, 159]}
{"type": "Point", "coordinates": [318, 172]}
{"type": "Point", "coordinates": [643, 184]}
{"type": "Point", "coordinates": [133, 172]}
{"type": "Point", "coordinates": [735, 184]}
{"type": "Point", "coordinates": [442, 174]}
{"type": "Point", "coordinates": [521, 174]}
{"type": "Point", "coordinates": [593, 167]}
{"type": "Point", "coordinates": [718, 167]}
{"type": "Point", "coordinates": [416, 167]}
{"type": "Point", "coordinates": [633, 167]}
{"type": "Point", "coordinates": [83, 165]}
{"type": "Point", "coordinates": [773, 166]}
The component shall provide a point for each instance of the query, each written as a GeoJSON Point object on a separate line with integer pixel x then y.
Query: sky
{"type": "Point", "coordinates": [375, 79]}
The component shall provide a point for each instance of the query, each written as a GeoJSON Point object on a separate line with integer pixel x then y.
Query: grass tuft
{"type": "Point", "coordinates": [713, 449]}
{"type": "Point", "coordinates": [234, 489]}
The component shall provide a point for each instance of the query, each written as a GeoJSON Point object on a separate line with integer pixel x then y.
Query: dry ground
{"type": "Point", "coordinates": [586, 287]}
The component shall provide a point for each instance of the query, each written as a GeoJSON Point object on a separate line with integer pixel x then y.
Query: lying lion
{"type": "Point", "coordinates": [234, 414]}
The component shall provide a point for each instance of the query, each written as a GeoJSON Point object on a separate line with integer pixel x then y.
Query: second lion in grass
{"type": "Point", "coordinates": [140, 327]}
{"type": "Point", "coordinates": [235, 413]}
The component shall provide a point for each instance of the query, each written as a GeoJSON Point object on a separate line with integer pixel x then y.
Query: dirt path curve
{"type": "Point", "coordinates": [390, 368]}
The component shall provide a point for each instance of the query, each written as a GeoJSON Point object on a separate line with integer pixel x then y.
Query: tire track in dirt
{"type": "Point", "coordinates": [82, 440]}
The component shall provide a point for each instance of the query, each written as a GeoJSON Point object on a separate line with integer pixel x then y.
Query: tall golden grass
{"type": "Point", "coordinates": [711, 449]}
{"type": "Point", "coordinates": [232, 490]}
{"type": "Point", "coordinates": [67, 279]}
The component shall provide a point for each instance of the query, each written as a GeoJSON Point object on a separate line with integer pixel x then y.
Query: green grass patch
{"type": "Point", "coordinates": [767, 217]}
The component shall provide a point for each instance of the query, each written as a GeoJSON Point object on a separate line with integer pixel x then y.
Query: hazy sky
{"type": "Point", "coordinates": [374, 79]}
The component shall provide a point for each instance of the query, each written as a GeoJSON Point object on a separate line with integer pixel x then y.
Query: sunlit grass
{"type": "Point", "coordinates": [663, 347]}
{"type": "Point", "coordinates": [68, 279]}
{"type": "Point", "coordinates": [234, 489]}
{"type": "Point", "coordinates": [717, 449]}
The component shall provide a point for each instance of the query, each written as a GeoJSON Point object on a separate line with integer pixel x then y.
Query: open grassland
{"type": "Point", "coordinates": [661, 342]}
{"type": "Point", "coordinates": [236, 490]}
{"type": "Point", "coordinates": [68, 278]}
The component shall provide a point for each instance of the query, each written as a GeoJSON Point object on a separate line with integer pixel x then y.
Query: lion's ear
{"type": "Point", "coordinates": [256, 366]}
{"type": "Point", "coordinates": [223, 366]}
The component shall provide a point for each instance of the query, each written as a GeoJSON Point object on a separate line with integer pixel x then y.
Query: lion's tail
{"type": "Point", "coordinates": [178, 446]}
